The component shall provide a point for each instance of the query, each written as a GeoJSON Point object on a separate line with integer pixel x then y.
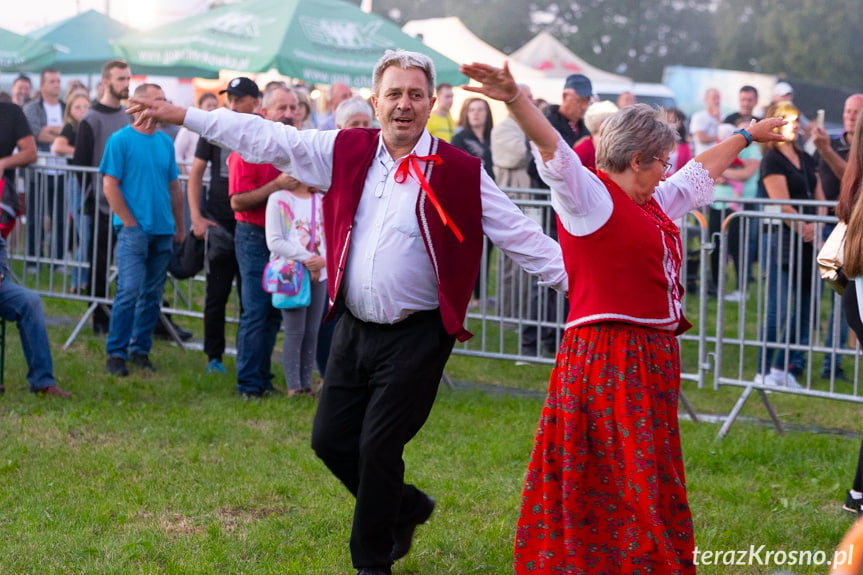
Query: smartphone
{"type": "Point", "coordinates": [819, 119]}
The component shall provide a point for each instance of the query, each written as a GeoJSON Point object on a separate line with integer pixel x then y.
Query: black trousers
{"type": "Point", "coordinates": [102, 242]}
{"type": "Point", "coordinates": [52, 204]}
{"type": "Point", "coordinates": [852, 314]}
{"type": "Point", "coordinates": [380, 387]}
{"type": "Point", "coordinates": [216, 296]}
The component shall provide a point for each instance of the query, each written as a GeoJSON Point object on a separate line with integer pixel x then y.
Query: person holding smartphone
{"type": "Point", "coordinates": [831, 160]}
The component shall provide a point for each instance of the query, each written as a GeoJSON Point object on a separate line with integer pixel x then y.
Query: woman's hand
{"type": "Point", "coordinates": [762, 131]}
{"type": "Point", "coordinates": [315, 263]}
{"type": "Point", "coordinates": [497, 83]}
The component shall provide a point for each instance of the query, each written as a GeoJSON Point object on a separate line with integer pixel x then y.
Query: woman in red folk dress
{"type": "Point", "coordinates": [605, 490]}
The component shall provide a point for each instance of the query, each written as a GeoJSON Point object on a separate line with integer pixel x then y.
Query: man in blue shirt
{"type": "Point", "coordinates": [140, 180]}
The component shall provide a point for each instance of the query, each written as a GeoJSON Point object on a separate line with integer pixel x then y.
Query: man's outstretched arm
{"type": "Point", "coordinates": [306, 155]}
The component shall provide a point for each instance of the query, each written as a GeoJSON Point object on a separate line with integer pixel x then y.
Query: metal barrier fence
{"type": "Point", "coordinates": [513, 318]}
{"type": "Point", "coordinates": [784, 316]}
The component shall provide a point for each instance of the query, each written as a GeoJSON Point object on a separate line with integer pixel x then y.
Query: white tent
{"type": "Point", "coordinates": [547, 54]}
{"type": "Point", "coordinates": [453, 39]}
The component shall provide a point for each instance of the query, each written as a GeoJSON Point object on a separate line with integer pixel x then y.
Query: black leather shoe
{"type": "Point", "coordinates": [374, 571]}
{"type": "Point", "coordinates": [403, 534]}
{"type": "Point", "coordinates": [161, 332]}
{"type": "Point", "coordinates": [117, 366]}
{"type": "Point", "coordinates": [142, 362]}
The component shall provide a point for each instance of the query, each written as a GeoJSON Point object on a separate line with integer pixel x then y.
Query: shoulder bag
{"type": "Point", "coordinates": [289, 280]}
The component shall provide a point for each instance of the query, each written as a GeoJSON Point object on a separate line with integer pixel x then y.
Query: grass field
{"type": "Point", "coordinates": [172, 473]}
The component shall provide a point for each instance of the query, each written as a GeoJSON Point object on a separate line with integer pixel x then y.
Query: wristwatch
{"type": "Point", "coordinates": [745, 134]}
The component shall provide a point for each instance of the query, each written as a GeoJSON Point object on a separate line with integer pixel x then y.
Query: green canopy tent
{"type": "Point", "coordinates": [85, 41]}
{"type": "Point", "coordinates": [22, 54]}
{"type": "Point", "coordinates": [317, 41]}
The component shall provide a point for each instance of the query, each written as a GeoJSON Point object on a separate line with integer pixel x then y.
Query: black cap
{"type": "Point", "coordinates": [242, 86]}
{"type": "Point", "coordinates": [581, 84]}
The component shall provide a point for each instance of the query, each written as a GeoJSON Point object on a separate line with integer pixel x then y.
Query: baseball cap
{"type": "Point", "coordinates": [782, 89]}
{"type": "Point", "coordinates": [242, 86]}
{"type": "Point", "coordinates": [581, 84]}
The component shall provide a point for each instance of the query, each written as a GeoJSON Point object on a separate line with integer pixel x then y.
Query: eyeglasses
{"type": "Point", "coordinates": [668, 165]}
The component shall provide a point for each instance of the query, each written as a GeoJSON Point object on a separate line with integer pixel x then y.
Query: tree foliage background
{"type": "Point", "coordinates": [810, 40]}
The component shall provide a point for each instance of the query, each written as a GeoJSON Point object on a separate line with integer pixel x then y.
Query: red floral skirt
{"type": "Point", "coordinates": [605, 492]}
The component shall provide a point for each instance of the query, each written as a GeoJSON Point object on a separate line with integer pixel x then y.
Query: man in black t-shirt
{"type": "Point", "coordinates": [14, 133]}
{"type": "Point", "coordinates": [747, 99]}
{"type": "Point", "coordinates": [243, 97]}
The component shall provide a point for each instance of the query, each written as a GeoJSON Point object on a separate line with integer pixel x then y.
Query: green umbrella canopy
{"type": "Point", "coordinates": [318, 41]}
{"type": "Point", "coordinates": [22, 54]}
{"type": "Point", "coordinates": [83, 42]}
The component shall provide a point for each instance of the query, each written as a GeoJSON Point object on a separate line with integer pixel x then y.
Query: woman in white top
{"type": "Point", "coordinates": [290, 222]}
{"type": "Point", "coordinates": [187, 140]}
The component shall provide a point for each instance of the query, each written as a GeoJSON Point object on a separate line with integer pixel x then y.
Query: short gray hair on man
{"type": "Point", "coordinates": [597, 113]}
{"type": "Point", "coordinates": [636, 128]}
{"type": "Point", "coordinates": [404, 60]}
{"type": "Point", "coordinates": [141, 90]}
{"type": "Point", "coordinates": [269, 94]}
{"type": "Point", "coordinates": [350, 108]}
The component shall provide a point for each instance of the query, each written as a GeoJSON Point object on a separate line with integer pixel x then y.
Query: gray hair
{"type": "Point", "coordinates": [404, 60]}
{"type": "Point", "coordinates": [597, 113]}
{"type": "Point", "coordinates": [269, 94]}
{"type": "Point", "coordinates": [636, 128]}
{"type": "Point", "coordinates": [350, 108]}
{"type": "Point", "coordinates": [141, 90]}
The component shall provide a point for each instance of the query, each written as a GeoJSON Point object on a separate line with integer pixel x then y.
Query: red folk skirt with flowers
{"type": "Point", "coordinates": [605, 491]}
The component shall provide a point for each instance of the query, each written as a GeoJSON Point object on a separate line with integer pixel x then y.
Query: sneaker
{"type": "Point", "coordinates": [762, 379]}
{"type": "Point", "coordinates": [791, 381]}
{"type": "Point", "coordinates": [853, 505]}
{"type": "Point", "coordinates": [117, 366]}
{"type": "Point", "coordinates": [736, 296]}
{"type": "Point", "coordinates": [142, 361]}
{"type": "Point", "coordinates": [215, 366]}
{"type": "Point", "coordinates": [255, 395]}
{"type": "Point", "coordinates": [839, 374]}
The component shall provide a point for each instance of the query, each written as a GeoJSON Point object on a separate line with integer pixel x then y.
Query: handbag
{"type": "Point", "coordinates": [188, 257]}
{"type": "Point", "coordinates": [288, 280]}
{"type": "Point", "coordinates": [831, 258]}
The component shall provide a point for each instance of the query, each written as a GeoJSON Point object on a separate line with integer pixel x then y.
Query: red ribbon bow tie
{"type": "Point", "coordinates": [411, 166]}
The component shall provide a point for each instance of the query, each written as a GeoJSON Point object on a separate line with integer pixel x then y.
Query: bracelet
{"type": "Point", "coordinates": [517, 94]}
{"type": "Point", "coordinates": [745, 134]}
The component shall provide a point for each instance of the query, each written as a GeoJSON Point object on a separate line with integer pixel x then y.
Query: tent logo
{"type": "Point", "coordinates": [243, 25]}
{"type": "Point", "coordinates": [344, 34]}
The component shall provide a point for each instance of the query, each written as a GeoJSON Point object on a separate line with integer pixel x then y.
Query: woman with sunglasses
{"type": "Point", "coordinates": [605, 489]}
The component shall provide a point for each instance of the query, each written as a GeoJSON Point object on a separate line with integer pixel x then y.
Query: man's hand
{"type": "Point", "coordinates": [179, 235]}
{"type": "Point", "coordinates": [286, 182]}
{"type": "Point", "coordinates": [150, 112]}
{"type": "Point", "coordinates": [200, 225]}
{"type": "Point", "coordinates": [497, 83]}
{"type": "Point", "coordinates": [820, 138]}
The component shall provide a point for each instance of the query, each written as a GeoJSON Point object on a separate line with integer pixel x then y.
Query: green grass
{"type": "Point", "coordinates": [172, 473]}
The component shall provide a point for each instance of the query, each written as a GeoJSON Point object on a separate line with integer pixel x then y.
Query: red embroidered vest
{"type": "Point", "coordinates": [456, 183]}
{"type": "Point", "coordinates": [628, 270]}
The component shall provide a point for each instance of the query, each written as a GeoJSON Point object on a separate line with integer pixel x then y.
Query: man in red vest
{"type": "Point", "coordinates": [404, 216]}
